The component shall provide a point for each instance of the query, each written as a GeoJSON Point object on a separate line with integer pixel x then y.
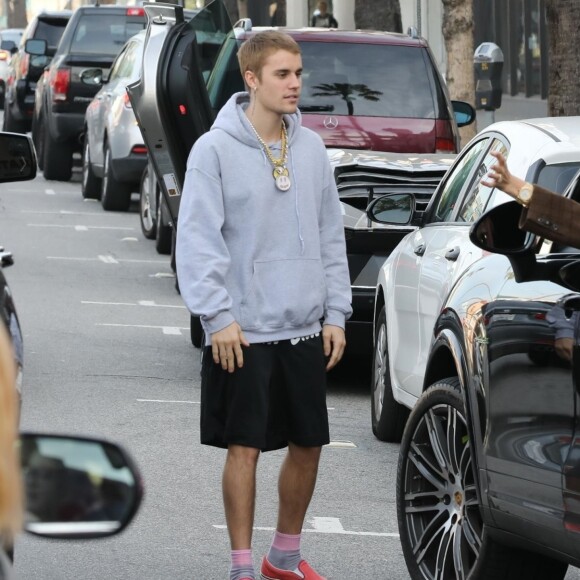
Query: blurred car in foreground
{"type": "Point", "coordinates": [466, 335]}
{"type": "Point", "coordinates": [26, 69]}
{"type": "Point", "coordinates": [114, 155]}
{"type": "Point", "coordinates": [9, 41]}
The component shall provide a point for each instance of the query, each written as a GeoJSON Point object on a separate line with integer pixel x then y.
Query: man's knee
{"type": "Point", "coordinates": [304, 455]}
{"type": "Point", "coordinates": [241, 454]}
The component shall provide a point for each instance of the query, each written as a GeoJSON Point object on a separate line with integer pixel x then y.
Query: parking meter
{"type": "Point", "coordinates": [488, 65]}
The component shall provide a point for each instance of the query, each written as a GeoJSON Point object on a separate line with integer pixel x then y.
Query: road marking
{"type": "Point", "coordinates": [129, 240]}
{"type": "Point", "coordinates": [78, 226]}
{"type": "Point", "coordinates": [61, 212]}
{"type": "Point", "coordinates": [81, 229]}
{"type": "Point", "coordinates": [172, 330]}
{"type": "Point", "coordinates": [117, 261]}
{"type": "Point", "coordinates": [108, 259]}
{"type": "Point", "coordinates": [167, 401]}
{"type": "Point", "coordinates": [162, 275]}
{"type": "Point", "coordinates": [341, 445]}
{"type": "Point", "coordinates": [146, 303]}
{"type": "Point", "coordinates": [49, 191]}
{"type": "Point", "coordinates": [325, 526]}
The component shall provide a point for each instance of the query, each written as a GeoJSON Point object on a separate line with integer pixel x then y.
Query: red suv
{"type": "Point", "coordinates": [366, 90]}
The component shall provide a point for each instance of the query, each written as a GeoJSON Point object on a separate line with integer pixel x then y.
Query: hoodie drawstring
{"type": "Point", "coordinates": [296, 201]}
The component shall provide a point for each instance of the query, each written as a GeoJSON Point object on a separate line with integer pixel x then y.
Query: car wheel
{"type": "Point", "coordinates": [438, 510]}
{"type": "Point", "coordinates": [2, 94]}
{"type": "Point", "coordinates": [90, 184]}
{"type": "Point", "coordinates": [163, 239]}
{"type": "Point", "coordinates": [196, 331]}
{"type": "Point", "coordinates": [388, 417]}
{"type": "Point", "coordinates": [11, 124]}
{"type": "Point", "coordinates": [115, 196]}
{"type": "Point", "coordinates": [57, 157]}
{"type": "Point", "coordinates": [148, 224]}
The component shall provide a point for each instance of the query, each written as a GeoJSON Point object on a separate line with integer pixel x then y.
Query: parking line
{"type": "Point", "coordinates": [167, 401]}
{"type": "Point", "coordinates": [145, 303]}
{"type": "Point", "coordinates": [117, 261]}
{"type": "Point", "coordinates": [78, 226]}
{"type": "Point", "coordinates": [108, 259]}
{"type": "Point", "coordinates": [171, 330]}
{"type": "Point", "coordinates": [49, 191]}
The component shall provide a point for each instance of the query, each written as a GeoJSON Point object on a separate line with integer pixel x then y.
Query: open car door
{"type": "Point", "coordinates": [170, 99]}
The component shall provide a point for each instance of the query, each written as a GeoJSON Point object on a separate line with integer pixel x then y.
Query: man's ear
{"type": "Point", "coordinates": [250, 79]}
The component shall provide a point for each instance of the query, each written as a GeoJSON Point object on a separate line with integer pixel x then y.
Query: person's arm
{"type": "Point", "coordinates": [546, 213]}
{"type": "Point", "coordinates": [333, 254]}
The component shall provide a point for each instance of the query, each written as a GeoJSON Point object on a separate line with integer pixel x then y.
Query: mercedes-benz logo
{"type": "Point", "coordinates": [331, 122]}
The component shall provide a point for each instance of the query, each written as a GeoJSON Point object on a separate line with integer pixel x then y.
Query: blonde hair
{"type": "Point", "coordinates": [254, 52]}
{"type": "Point", "coordinates": [10, 476]}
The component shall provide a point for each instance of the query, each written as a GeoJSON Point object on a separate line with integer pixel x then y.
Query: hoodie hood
{"type": "Point", "coordinates": [232, 119]}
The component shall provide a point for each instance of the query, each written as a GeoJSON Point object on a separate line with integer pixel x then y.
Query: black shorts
{"type": "Point", "coordinates": [278, 396]}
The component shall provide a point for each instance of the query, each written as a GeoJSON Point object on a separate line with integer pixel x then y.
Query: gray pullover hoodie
{"type": "Point", "coordinates": [273, 261]}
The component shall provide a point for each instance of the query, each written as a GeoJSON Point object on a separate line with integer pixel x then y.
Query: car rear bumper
{"type": "Point", "coordinates": [129, 169]}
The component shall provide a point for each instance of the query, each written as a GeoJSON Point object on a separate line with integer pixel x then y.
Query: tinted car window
{"type": "Point", "coordinates": [125, 63]}
{"type": "Point", "coordinates": [456, 180]}
{"type": "Point", "coordinates": [476, 200]}
{"type": "Point", "coordinates": [51, 31]}
{"type": "Point", "coordinates": [370, 80]}
{"type": "Point", "coordinates": [103, 34]}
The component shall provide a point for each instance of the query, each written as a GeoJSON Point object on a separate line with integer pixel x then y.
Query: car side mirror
{"type": "Point", "coordinates": [77, 487]}
{"type": "Point", "coordinates": [498, 231]}
{"type": "Point", "coordinates": [93, 76]}
{"type": "Point", "coordinates": [392, 209]}
{"type": "Point", "coordinates": [464, 113]}
{"type": "Point", "coordinates": [570, 275]}
{"type": "Point", "coordinates": [36, 46]}
{"type": "Point", "coordinates": [17, 157]}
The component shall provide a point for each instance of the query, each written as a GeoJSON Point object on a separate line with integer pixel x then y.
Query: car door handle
{"type": "Point", "coordinates": [419, 250]}
{"type": "Point", "coordinates": [452, 254]}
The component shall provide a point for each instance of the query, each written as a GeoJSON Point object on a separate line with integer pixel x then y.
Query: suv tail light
{"type": "Point", "coordinates": [60, 83]}
{"type": "Point", "coordinates": [135, 12]}
{"type": "Point", "coordinates": [4, 55]}
{"type": "Point", "coordinates": [127, 101]}
{"type": "Point", "coordinates": [444, 138]}
{"type": "Point", "coordinates": [139, 149]}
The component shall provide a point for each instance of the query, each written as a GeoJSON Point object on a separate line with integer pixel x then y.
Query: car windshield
{"type": "Point", "coordinates": [104, 34]}
{"type": "Point", "coordinates": [51, 31]}
{"type": "Point", "coordinates": [365, 80]}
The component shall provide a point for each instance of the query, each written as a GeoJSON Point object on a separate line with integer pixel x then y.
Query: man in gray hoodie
{"type": "Point", "coordinates": [261, 259]}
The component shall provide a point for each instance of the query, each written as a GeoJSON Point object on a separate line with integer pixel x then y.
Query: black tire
{"type": "Point", "coordinates": [163, 238]}
{"type": "Point", "coordinates": [196, 331]}
{"type": "Point", "coordinates": [115, 196]}
{"type": "Point", "coordinates": [438, 509]}
{"type": "Point", "coordinates": [90, 183]}
{"type": "Point", "coordinates": [57, 157]}
{"type": "Point", "coordinates": [148, 220]}
{"type": "Point", "coordinates": [388, 417]}
{"type": "Point", "coordinates": [2, 94]}
{"type": "Point", "coordinates": [11, 124]}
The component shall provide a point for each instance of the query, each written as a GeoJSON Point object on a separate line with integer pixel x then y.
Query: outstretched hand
{"type": "Point", "coordinates": [499, 176]}
{"type": "Point", "coordinates": [226, 347]}
{"type": "Point", "coordinates": [334, 344]}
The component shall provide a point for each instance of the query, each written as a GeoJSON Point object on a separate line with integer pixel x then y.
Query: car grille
{"type": "Point", "coordinates": [358, 186]}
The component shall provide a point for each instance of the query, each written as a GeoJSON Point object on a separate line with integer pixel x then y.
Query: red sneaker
{"type": "Point", "coordinates": [303, 572]}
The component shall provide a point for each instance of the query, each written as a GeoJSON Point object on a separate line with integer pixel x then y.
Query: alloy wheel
{"type": "Point", "coordinates": [379, 371]}
{"type": "Point", "coordinates": [440, 507]}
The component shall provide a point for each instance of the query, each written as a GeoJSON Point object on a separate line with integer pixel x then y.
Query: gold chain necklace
{"type": "Point", "coordinates": [280, 173]}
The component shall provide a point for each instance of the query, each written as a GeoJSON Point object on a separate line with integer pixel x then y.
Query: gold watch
{"type": "Point", "coordinates": [525, 194]}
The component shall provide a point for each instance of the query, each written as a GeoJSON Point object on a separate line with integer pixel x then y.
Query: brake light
{"type": "Point", "coordinates": [24, 65]}
{"type": "Point", "coordinates": [139, 150]}
{"type": "Point", "coordinates": [4, 55]}
{"type": "Point", "coordinates": [182, 109]}
{"type": "Point", "coordinates": [127, 101]}
{"type": "Point", "coordinates": [135, 11]}
{"type": "Point", "coordinates": [60, 83]}
{"type": "Point", "coordinates": [443, 145]}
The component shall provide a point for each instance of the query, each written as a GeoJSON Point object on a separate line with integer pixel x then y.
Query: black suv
{"type": "Point", "coordinates": [26, 69]}
{"type": "Point", "coordinates": [93, 38]}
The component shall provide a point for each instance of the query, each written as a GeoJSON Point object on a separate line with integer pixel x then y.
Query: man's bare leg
{"type": "Point", "coordinates": [239, 492]}
{"type": "Point", "coordinates": [296, 486]}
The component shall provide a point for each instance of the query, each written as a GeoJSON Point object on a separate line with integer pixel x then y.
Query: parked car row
{"type": "Point", "coordinates": [9, 41]}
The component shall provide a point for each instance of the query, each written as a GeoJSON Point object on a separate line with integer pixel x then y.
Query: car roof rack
{"type": "Point", "coordinates": [244, 23]}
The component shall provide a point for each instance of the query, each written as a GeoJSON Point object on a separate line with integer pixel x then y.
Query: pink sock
{"type": "Point", "coordinates": [285, 551]}
{"type": "Point", "coordinates": [242, 565]}
{"type": "Point", "coordinates": [286, 542]}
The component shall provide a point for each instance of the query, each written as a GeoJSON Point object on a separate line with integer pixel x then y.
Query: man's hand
{"type": "Point", "coordinates": [334, 344]}
{"type": "Point", "coordinates": [226, 347]}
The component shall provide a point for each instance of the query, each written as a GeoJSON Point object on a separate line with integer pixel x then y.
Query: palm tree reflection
{"type": "Point", "coordinates": [347, 92]}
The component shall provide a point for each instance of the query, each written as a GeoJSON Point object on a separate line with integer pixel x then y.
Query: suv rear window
{"type": "Point", "coordinates": [365, 80]}
{"type": "Point", "coordinates": [50, 30]}
{"type": "Point", "coordinates": [104, 34]}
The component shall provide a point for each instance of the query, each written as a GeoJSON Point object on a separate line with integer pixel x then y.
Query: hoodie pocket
{"type": "Point", "coordinates": [284, 293]}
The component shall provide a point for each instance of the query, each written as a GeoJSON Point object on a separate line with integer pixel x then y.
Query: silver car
{"type": "Point", "coordinates": [114, 155]}
{"type": "Point", "coordinates": [9, 41]}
